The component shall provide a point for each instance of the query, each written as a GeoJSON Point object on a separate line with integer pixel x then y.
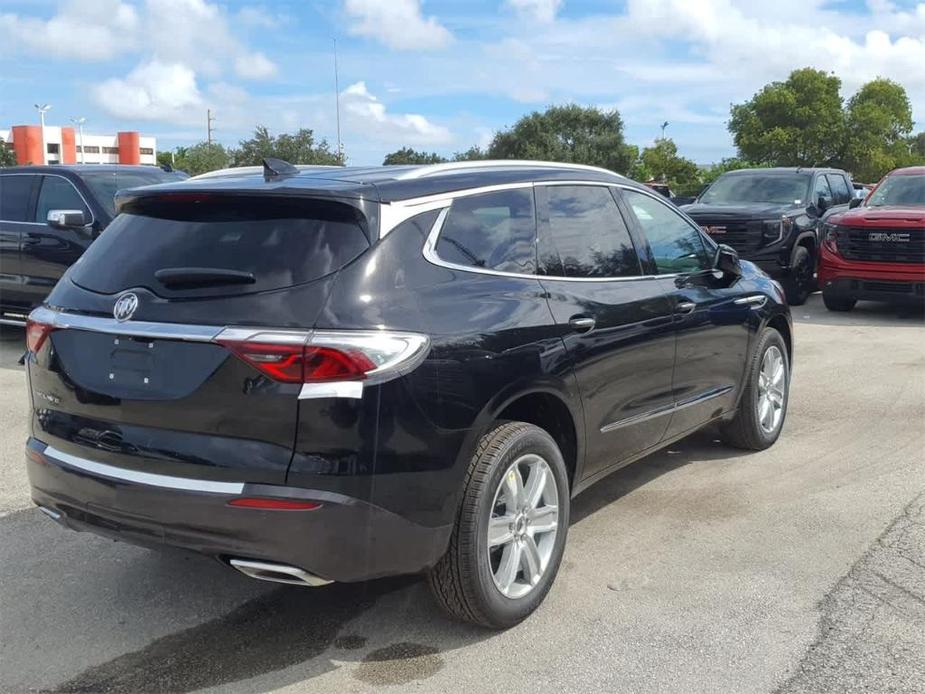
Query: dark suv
{"type": "Point", "coordinates": [49, 215]}
{"type": "Point", "coordinates": [772, 217]}
{"type": "Point", "coordinates": [341, 374]}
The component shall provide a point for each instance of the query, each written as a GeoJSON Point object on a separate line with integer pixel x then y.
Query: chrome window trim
{"type": "Point", "coordinates": [430, 244]}
{"type": "Point", "coordinates": [57, 175]}
{"type": "Point", "coordinates": [149, 479]}
{"type": "Point", "coordinates": [668, 409]}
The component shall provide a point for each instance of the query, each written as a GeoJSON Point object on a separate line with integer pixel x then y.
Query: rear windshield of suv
{"type": "Point", "coordinates": [219, 245]}
{"type": "Point", "coordinates": [785, 189]}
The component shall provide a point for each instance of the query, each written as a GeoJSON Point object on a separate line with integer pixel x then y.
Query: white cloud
{"type": "Point", "coordinates": [105, 28]}
{"type": "Point", "coordinates": [255, 66]}
{"type": "Point", "coordinates": [153, 91]}
{"type": "Point", "coordinates": [540, 10]}
{"type": "Point", "coordinates": [258, 16]}
{"type": "Point", "coordinates": [398, 24]}
{"type": "Point", "coordinates": [193, 32]}
{"type": "Point", "coordinates": [365, 113]}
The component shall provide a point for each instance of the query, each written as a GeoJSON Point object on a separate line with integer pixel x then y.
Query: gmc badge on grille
{"type": "Point", "coordinates": [891, 238]}
{"type": "Point", "coordinates": [714, 230]}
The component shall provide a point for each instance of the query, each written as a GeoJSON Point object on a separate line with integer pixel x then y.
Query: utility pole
{"type": "Point", "coordinates": [79, 122]}
{"type": "Point", "coordinates": [340, 145]}
{"type": "Point", "coordinates": [42, 109]}
{"type": "Point", "coordinates": [209, 119]}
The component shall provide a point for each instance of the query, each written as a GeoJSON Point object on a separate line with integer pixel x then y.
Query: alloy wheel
{"type": "Point", "coordinates": [523, 526]}
{"type": "Point", "coordinates": [772, 391]}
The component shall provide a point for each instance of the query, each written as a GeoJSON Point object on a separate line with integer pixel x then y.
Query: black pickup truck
{"type": "Point", "coordinates": [49, 215]}
{"type": "Point", "coordinates": [771, 217]}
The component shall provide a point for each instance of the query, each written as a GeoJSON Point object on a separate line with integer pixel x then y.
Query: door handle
{"type": "Point", "coordinates": [581, 324]}
{"type": "Point", "coordinates": [686, 307]}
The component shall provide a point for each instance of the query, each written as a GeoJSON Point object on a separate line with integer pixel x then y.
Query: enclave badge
{"type": "Point", "coordinates": [125, 307]}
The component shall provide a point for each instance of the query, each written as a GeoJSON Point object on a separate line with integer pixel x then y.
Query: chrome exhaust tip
{"type": "Point", "coordinates": [278, 573]}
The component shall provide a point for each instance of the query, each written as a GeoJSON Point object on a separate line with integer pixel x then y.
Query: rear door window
{"type": "Point", "coordinates": [222, 245]}
{"type": "Point", "coordinates": [585, 235]}
{"type": "Point", "coordinates": [494, 231]}
{"type": "Point", "coordinates": [16, 197]}
{"type": "Point", "coordinates": [58, 193]}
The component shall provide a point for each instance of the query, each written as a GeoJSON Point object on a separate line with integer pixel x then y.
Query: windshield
{"type": "Point", "coordinates": [784, 189]}
{"type": "Point", "coordinates": [900, 190]}
{"type": "Point", "coordinates": [104, 184]}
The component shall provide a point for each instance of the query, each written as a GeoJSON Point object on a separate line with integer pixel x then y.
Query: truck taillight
{"type": "Point", "coordinates": [326, 356]}
{"type": "Point", "coordinates": [36, 334]}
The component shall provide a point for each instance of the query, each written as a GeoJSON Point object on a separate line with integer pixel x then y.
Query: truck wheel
{"type": "Point", "coordinates": [836, 302]}
{"type": "Point", "coordinates": [510, 532]}
{"type": "Point", "coordinates": [800, 283]}
{"type": "Point", "coordinates": [763, 407]}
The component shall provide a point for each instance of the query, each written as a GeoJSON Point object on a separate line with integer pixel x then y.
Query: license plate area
{"type": "Point", "coordinates": [124, 367]}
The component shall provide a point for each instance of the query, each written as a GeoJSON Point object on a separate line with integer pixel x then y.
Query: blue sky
{"type": "Point", "coordinates": [439, 75]}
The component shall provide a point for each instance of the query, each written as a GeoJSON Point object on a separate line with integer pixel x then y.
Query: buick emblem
{"type": "Point", "coordinates": [125, 307]}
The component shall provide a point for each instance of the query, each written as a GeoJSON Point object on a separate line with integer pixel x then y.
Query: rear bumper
{"type": "Point", "coordinates": [891, 282]}
{"type": "Point", "coordinates": [345, 539]}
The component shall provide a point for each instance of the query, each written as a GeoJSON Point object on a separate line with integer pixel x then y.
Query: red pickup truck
{"type": "Point", "coordinates": [876, 249]}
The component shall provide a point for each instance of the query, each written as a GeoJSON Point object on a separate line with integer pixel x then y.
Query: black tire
{"type": "Point", "coordinates": [801, 282]}
{"type": "Point", "coordinates": [836, 302]}
{"type": "Point", "coordinates": [745, 430]}
{"type": "Point", "coordinates": [462, 581]}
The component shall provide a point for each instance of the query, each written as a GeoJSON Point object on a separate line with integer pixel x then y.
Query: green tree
{"type": "Point", "coordinates": [662, 163]}
{"type": "Point", "coordinates": [7, 155]}
{"type": "Point", "coordinates": [297, 148]}
{"type": "Point", "coordinates": [710, 173]}
{"type": "Point", "coordinates": [917, 147]}
{"type": "Point", "coordinates": [799, 122]}
{"type": "Point", "coordinates": [474, 153]}
{"type": "Point", "coordinates": [200, 158]}
{"type": "Point", "coordinates": [572, 133]}
{"type": "Point", "coordinates": [879, 119]}
{"type": "Point", "coordinates": [406, 155]}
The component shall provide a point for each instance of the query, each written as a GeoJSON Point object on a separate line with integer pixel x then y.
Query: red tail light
{"type": "Point", "coordinates": [325, 356]}
{"type": "Point", "coordinates": [296, 363]}
{"type": "Point", "coordinates": [36, 334]}
{"type": "Point", "coordinates": [274, 504]}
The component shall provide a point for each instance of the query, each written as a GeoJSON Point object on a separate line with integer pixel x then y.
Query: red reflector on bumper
{"type": "Point", "coordinates": [274, 504]}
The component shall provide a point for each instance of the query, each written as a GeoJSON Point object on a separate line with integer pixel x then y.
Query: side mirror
{"type": "Point", "coordinates": [66, 219]}
{"type": "Point", "coordinates": [727, 261]}
{"type": "Point", "coordinates": [855, 202]}
{"type": "Point", "coordinates": [822, 204]}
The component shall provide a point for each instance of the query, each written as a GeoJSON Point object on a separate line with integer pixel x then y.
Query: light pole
{"type": "Point", "coordinates": [42, 109]}
{"type": "Point", "coordinates": [664, 125]}
{"type": "Point", "coordinates": [79, 122]}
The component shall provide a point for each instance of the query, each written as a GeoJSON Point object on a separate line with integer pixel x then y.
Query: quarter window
{"type": "Point", "coordinates": [586, 235]}
{"type": "Point", "coordinates": [15, 195]}
{"type": "Point", "coordinates": [58, 194]}
{"type": "Point", "coordinates": [495, 231]}
{"type": "Point", "coordinates": [675, 243]}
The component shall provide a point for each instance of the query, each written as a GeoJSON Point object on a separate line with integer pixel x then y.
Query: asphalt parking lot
{"type": "Point", "coordinates": [699, 569]}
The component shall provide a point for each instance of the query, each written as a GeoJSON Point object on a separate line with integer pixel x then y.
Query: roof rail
{"type": "Point", "coordinates": [238, 170]}
{"type": "Point", "coordinates": [462, 166]}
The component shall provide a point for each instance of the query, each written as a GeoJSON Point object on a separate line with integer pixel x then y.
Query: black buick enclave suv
{"type": "Point", "coordinates": [321, 375]}
{"type": "Point", "coordinates": [772, 217]}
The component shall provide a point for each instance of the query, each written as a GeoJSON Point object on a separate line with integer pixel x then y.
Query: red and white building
{"type": "Point", "coordinates": [66, 146]}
